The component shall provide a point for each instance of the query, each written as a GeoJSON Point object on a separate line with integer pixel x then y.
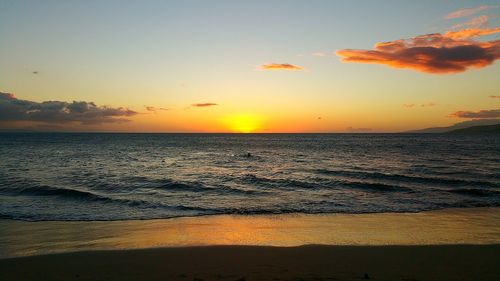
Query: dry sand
{"type": "Point", "coordinates": [457, 262]}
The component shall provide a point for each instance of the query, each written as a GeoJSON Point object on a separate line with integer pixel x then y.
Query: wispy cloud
{"type": "Point", "coordinates": [206, 104]}
{"type": "Point", "coordinates": [154, 109]}
{"type": "Point", "coordinates": [281, 66]}
{"type": "Point", "coordinates": [467, 12]}
{"type": "Point", "coordinates": [429, 104]}
{"type": "Point", "coordinates": [495, 97]}
{"type": "Point", "coordinates": [482, 114]}
{"type": "Point", "coordinates": [411, 105]}
{"type": "Point", "coordinates": [452, 52]}
{"type": "Point", "coordinates": [14, 109]}
{"type": "Point", "coordinates": [477, 22]}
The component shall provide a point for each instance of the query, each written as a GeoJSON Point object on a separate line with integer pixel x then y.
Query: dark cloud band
{"type": "Point", "coordinates": [206, 104]}
{"type": "Point", "coordinates": [482, 114]}
{"type": "Point", "coordinates": [14, 109]}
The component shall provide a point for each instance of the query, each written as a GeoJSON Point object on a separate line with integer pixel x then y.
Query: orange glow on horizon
{"type": "Point", "coordinates": [243, 123]}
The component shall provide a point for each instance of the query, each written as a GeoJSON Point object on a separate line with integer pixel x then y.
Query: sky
{"type": "Point", "coordinates": [247, 66]}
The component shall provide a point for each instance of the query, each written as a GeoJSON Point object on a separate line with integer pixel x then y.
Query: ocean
{"type": "Point", "coordinates": [94, 176]}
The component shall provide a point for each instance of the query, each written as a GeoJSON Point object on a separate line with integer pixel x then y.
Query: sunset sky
{"type": "Point", "coordinates": [247, 66]}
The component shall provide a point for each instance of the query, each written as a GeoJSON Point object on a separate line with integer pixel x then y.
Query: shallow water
{"type": "Point", "coordinates": [143, 176]}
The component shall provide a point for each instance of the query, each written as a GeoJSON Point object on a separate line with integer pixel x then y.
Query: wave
{"type": "Point", "coordinates": [320, 183]}
{"type": "Point", "coordinates": [44, 190]}
{"type": "Point", "coordinates": [377, 187]}
{"type": "Point", "coordinates": [86, 196]}
{"type": "Point", "coordinates": [475, 192]}
{"type": "Point", "coordinates": [276, 182]}
{"type": "Point", "coordinates": [114, 193]}
{"type": "Point", "coordinates": [196, 187]}
{"type": "Point", "coordinates": [405, 178]}
{"type": "Point", "coordinates": [192, 211]}
{"type": "Point", "coordinates": [175, 185]}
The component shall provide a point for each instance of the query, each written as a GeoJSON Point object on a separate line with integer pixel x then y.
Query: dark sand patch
{"type": "Point", "coordinates": [231, 263]}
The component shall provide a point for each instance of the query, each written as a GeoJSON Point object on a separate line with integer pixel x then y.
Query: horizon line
{"type": "Point", "coordinates": [215, 133]}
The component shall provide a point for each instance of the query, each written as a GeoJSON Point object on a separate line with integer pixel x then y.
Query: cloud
{"type": "Point", "coordinates": [280, 66]}
{"type": "Point", "coordinates": [495, 97]}
{"type": "Point", "coordinates": [429, 104]}
{"type": "Point", "coordinates": [431, 53]}
{"type": "Point", "coordinates": [492, 113]}
{"type": "Point", "coordinates": [471, 32]}
{"type": "Point", "coordinates": [207, 104]}
{"type": "Point", "coordinates": [14, 109]}
{"type": "Point", "coordinates": [411, 105]}
{"type": "Point", "coordinates": [467, 12]}
{"type": "Point", "coordinates": [154, 109]}
{"type": "Point", "coordinates": [477, 22]}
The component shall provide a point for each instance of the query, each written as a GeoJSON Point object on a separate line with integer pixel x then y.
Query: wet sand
{"type": "Point", "coordinates": [451, 226]}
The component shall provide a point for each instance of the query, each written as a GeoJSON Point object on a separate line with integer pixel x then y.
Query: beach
{"type": "Point", "coordinates": [459, 262]}
{"type": "Point", "coordinates": [452, 244]}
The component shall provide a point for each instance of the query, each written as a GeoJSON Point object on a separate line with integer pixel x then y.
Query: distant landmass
{"type": "Point", "coordinates": [487, 129]}
{"type": "Point", "coordinates": [459, 126]}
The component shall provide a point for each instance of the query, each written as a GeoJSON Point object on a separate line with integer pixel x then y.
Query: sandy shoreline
{"type": "Point", "coordinates": [354, 247]}
{"type": "Point", "coordinates": [437, 246]}
{"type": "Point", "coordinates": [452, 262]}
{"type": "Point", "coordinates": [451, 226]}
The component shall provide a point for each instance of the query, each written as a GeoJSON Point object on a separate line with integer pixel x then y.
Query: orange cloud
{"type": "Point", "coordinates": [495, 97]}
{"type": "Point", "coordinates": [207, 104]}
{"type": "Point", "coordinates": [471, 32]}
{"type": "Point", "coordinates": [430, 53]}
{"type": "Point", "coordinates": [280, 66]}
{"type": "Point", "coordinates": [492, 113]}
{"type": "Point", "coordinates": [467, 12]}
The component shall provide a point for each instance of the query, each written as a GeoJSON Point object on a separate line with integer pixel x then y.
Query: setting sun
{"type": "Point", "coordinates": [243, 123]}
